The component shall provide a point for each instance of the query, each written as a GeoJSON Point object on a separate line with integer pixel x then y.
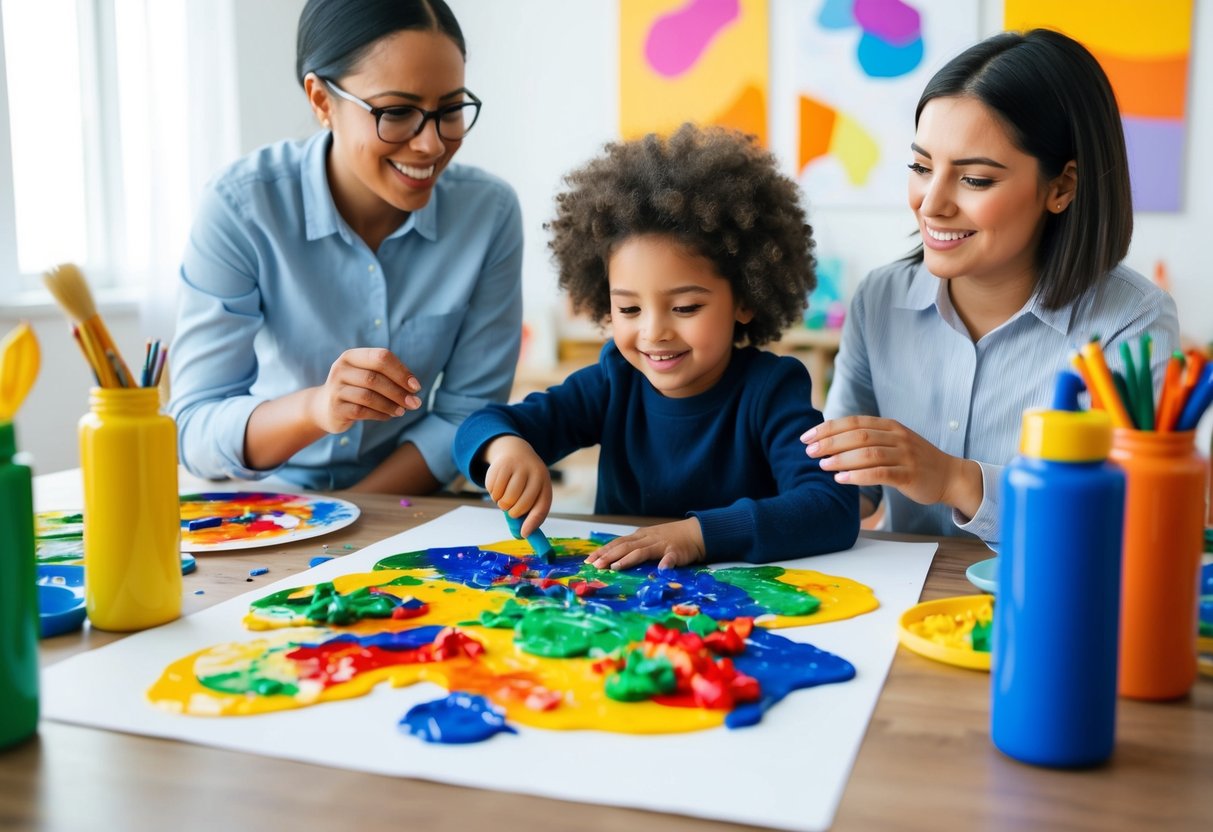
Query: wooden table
{"type": "Point", "coordinates": [926, 762]}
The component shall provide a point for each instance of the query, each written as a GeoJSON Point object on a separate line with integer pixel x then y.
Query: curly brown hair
{"type": "Point", "coordinates": [715, 191]}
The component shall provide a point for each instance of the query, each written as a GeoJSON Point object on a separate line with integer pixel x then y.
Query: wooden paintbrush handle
{"type": "Point", "coordinates": [107, 346]}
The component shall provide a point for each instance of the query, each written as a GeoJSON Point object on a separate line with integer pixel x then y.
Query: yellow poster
{"type": "Point", "coordinates": [1144, 49]}
{"type": "Point", "coordinates": [693, 60]}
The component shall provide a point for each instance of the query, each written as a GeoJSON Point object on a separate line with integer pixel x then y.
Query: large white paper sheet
{"type": "Point", "coordinates": [788, 772]}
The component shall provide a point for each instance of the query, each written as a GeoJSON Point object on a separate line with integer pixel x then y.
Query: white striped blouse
{"type": "Point", "coordinates": [906, 355]}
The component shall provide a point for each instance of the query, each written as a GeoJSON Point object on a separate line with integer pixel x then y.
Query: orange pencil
{"type": "Point", "coordinates": [1192, 367]}
{"type": "Point", "coordinates": [1080, 367]}
{"type": "Point", "coordinates": [1101, 377]}
{"type": "Point", "coordinates": [1170, 400]}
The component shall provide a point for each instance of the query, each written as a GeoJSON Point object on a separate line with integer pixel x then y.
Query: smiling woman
{"type": "Point", "coordinates": [329, 285]}
{"type": "Point", "coordinates": [1019, 183]}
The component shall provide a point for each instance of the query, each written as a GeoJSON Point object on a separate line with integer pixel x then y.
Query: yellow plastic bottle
{"type": "Point", "coordinates": [132, 514]}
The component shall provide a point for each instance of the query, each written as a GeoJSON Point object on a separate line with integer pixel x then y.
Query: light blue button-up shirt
{"type": "Point", "coordinates": [906, 355]}
{"type": "Point", "coordinates": [275, 286]}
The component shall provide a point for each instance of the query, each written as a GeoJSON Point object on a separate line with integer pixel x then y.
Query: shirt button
{"type": "Point", "coordinates": [343, 441]}
{"type": "Point", "coordinates": [378, 322]}
{"type": "Point", "coordinates": [953, 425]}
{"type": "Point", "coordinates": [371, 267]}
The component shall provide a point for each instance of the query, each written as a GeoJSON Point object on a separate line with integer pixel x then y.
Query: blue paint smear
{"type": "Point", "coordinates": [837, 14]}
{"type": "Point", "coordinates": [880, 59]}
{"type": "Point", "coordinates": [402, 640]}
{"type": "Point", "coordinates": [660, 589]}
{"type": "Point", "coordinates": [325, 512]}
{"type": "Point", "coordinates": [455, 719]}
{"type": "Point", "coordinates": [781, 666]}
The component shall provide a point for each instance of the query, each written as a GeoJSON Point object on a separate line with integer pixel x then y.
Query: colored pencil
{"type": "Point", "coordinates": [1122, 388]}
{"type": "Point", "coordinates": [1145, 382]}
{"type": "Point", "coordinates": [1131, 393]}
{"type": "Point", "coordinates": [1168, 400]}
{"type": "Point", "coordinates": [1101, 377]}
{"type": "Point", "coordinates": [1192, 370]}
{"type": "Point", "coordinates": [1080, 367]}
{"type": "Point", "coordinates": [1198, 402]}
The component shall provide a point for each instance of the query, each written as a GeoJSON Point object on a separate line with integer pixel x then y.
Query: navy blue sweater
{"type": "Point", "coordinates": [730, 456]}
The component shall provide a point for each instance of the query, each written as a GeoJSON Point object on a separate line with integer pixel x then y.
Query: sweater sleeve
{"type": "Point", "coordinates": [555, 422]}
{"type": "Point", "coordinates": [811, 514]}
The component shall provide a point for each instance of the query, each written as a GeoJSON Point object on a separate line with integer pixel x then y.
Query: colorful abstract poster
{"type": "Point", "coordinates": [1144, 48]}
{"type": "Point", "coordinates": [693, 60]}
{"type": "Point", "coordinates": [859, 67]}
{"type": "Point", "coordinates": [264, 673]}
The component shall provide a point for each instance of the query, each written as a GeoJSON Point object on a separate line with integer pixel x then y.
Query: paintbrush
{"type": "Point", "coordinates": [70, 289]}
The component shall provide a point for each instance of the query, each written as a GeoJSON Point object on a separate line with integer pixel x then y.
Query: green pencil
{"type": "Point", "coordinates": [1145, 383]}
{"type": "Point", "coordinates": [1122, 388]}
{"type": "Point", "coordinates": [1132, 390]}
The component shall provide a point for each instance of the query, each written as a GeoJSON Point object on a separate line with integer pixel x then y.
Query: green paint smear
{"type": "Point", "coordinates": [251, 679]}
{"type": "Point", "coordinates": [327, 605]}
{"type": "Point", "coordinates": [404, 560]}
{"type": "Point", "coordinates": [761, 584]}
{"type": "Point", "coordinates": [559, 632]}
{"type": "Point", "coordinates": [641, 678]}
{"type": "Point", "coordinates": [702, 624]}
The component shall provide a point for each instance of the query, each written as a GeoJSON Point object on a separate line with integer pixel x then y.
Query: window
{"type": "Point", "coordinates": [102, 141]}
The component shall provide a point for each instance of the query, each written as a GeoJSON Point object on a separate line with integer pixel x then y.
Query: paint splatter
{"type": "Point", "coordinates": [231, 520]}
{"type": "Point", "coordinates": [647, 651]}
{"type": "Point", "coordinates": [458, 718]}
{"type": "Point", "coordinates": [678, 39]}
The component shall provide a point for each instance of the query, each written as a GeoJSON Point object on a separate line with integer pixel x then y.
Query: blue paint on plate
{"type": "Point", "coordinates": [60, 598]}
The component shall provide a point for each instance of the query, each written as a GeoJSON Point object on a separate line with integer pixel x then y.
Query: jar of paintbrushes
{"type": "Point", "coordinates": [128, 456]}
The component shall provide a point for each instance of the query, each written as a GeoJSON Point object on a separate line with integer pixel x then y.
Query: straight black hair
{"type": "Point", "coordinates": [334, 35]}
{"type": "Point", "coordinates": [1058, 106]}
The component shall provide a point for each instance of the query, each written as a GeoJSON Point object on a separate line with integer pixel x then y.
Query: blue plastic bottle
{"type": "Point", "coordinates": [1056, 618]}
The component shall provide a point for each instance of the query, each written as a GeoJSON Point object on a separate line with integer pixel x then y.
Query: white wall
{"type": "Point", "coordinates": [532, 61]}
{"type": "Point", "coordinates": [547, 71]}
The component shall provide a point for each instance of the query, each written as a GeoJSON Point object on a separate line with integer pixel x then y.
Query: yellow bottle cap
{"type": "Point", "coordinates": [1066, 435]}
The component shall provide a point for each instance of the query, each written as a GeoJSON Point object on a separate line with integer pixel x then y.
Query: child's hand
{"type": "Point", "coordinates": [518, 480]}
{"type": "Point", "coordinates": [674, 544]}
{"type": "Point", "coordinates": [364, 383]}
{"type": "Point", "coordinates": [867, 450]}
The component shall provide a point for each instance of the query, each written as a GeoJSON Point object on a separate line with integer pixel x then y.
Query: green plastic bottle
{"type": "Point", "coordinates": [18, 597]}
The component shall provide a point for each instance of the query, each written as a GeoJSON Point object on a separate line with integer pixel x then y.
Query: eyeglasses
{"type": "Point", "coordinates": [399, 123]}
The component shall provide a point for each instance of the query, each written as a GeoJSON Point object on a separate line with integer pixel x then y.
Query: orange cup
{"type": "Point", "coordinates": [1164, 535]}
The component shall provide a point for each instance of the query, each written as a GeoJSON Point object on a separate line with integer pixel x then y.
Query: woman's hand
{"type": "Point", "coordinates": [867, 450]}
{"type": "Point", "coordinates": [518, 480]}
{"type": "Point", "coordinates": [672, 544]}
{"type": "Point", "coordinates": [364, 383]}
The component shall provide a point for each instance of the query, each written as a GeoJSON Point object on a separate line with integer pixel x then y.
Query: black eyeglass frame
{"type": "Point", "coordinates": [426, 115]}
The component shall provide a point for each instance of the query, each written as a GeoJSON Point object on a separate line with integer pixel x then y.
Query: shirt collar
{"type": "Point", "coordinates": [1058, 319]}
{"type": "Point", "coordinates": [923, 291]}
{"type": "Point", "coordinates": [320, 212]}
{"type": "Point", "coordinates": [926, 290]}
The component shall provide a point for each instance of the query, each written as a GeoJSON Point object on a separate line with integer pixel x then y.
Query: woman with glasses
{"type": "Point", "coordinates": [346, 301]}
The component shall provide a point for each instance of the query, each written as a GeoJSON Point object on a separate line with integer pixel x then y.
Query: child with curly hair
{"type": "Point", "coordinates": [689, 246]}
